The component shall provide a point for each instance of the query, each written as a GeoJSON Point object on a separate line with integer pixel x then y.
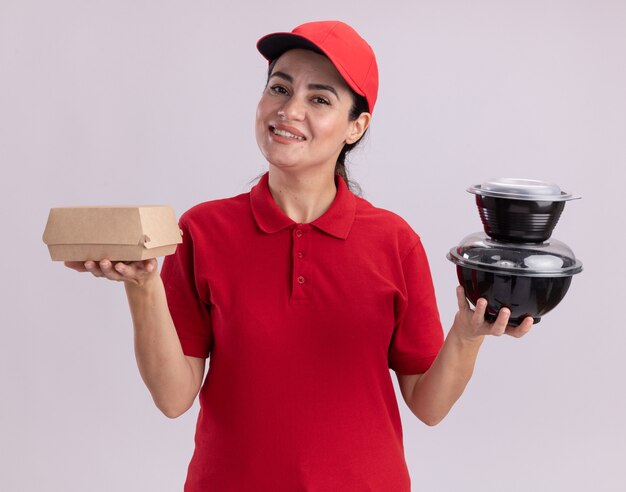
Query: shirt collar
{"type": "Point", "coordinates": [336, 221]}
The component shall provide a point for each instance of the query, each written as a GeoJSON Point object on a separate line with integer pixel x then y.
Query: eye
{"type": "Point", "coordinates": [321, 100]}
{"type": "Point", "coordinates": [278, 89]}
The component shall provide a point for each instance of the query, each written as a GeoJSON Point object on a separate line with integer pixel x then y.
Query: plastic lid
{"type": "Point", "coordinates": [548, 259]}
{"type": "Point", "coordinates": [521, 189]}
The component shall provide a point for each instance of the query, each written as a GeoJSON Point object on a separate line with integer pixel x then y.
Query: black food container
{"type": "Point", "coordinates": [528, 278]}
{"type": "Point", "coordinates": [521, 210]}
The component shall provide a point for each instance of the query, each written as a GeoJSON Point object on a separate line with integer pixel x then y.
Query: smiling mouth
{"type": "Point", "coordinates": [286, 134]}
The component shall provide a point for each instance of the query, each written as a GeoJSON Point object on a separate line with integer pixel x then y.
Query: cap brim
{"type": "Point", "coordinates": [274, 45]}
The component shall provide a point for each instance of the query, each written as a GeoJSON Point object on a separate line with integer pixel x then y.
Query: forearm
{"type": "Point", "coordinates": [436, 391]}
{"type": "Point", "coordinates": [160, 358]}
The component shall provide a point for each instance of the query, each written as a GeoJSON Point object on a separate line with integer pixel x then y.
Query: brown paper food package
{"type": "Point", "coordinates": [117, 233]}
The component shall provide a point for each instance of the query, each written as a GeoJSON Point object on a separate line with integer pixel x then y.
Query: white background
{"type": "Point", "coordinates": [137, 102]}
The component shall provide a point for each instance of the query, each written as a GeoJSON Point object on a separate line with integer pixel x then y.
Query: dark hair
{"type": "Point", "coordinates": [359, 105]}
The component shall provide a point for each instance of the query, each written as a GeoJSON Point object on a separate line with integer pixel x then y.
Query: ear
{"type": "Point", "coordinates": [358, 127]}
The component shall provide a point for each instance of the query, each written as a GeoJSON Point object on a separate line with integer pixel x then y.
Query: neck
{"type": "Point", "coordinates": [302, 197]}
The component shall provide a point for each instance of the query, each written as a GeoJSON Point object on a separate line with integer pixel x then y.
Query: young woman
{"type": "Point", "coordinates": [302, 295]}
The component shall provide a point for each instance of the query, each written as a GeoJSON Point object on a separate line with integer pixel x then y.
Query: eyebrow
{"type": "Point", "coordinates": [318, 87]}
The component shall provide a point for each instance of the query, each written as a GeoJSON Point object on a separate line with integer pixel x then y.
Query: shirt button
{"type": "Point", "coordinates": [301, 280]}
{"type": "Point", "coordinates": [300, 255]}
{"type": "Point", "coordinates": [299, 233]}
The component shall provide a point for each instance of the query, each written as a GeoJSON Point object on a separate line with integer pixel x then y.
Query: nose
{"type": "Point", "coordinates": [293, 109]}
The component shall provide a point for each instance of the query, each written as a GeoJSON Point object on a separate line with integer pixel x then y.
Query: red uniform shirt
{"type": "Point", "coordinates": [302, 323]}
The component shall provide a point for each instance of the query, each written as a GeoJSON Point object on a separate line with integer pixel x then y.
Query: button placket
{"type": "Point", "coordinates": [301, 278]}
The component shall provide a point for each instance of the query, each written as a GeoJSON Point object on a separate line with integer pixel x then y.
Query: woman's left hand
{"type": "Point", "coordinates": [470, 325]}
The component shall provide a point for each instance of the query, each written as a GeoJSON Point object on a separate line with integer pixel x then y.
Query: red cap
{"type": "Point", "coordinates": [353, 58]}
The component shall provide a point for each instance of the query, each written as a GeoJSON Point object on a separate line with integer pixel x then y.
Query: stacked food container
{"type": "Point", "coordinates": [515, 263]}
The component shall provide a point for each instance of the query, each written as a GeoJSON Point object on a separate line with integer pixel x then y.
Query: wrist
{"type": "Point", "coordinates": [465, 341]}
{"type": "Point", "coordinates": [144, 287]}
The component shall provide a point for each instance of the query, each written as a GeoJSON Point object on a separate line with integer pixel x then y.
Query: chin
{"type": "Point", "coordinates": [286, 165]}
{"type": "Point", "coordinates": [279, 159]}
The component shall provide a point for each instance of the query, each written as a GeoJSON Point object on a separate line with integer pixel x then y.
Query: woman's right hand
{"type": "Point", "coordinates": [134, 273]}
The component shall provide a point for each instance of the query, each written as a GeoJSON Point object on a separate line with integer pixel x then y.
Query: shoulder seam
{"type": "Point", "coordinates": [411, 249]}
